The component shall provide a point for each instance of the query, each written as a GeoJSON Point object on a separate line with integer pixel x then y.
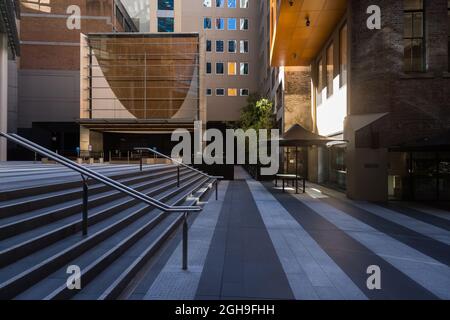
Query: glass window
{"type": "Point", "coordinates": [208, 68]}
{"type": "Point", "coordinates": [232, 44]}
{"type": "Point", "coordinates": [209, 92]}
{"type": "Point", "coordinates": [165, 24]}
{"type": "Point", "coordinates": [232, 92]}
{"type": "Point", "coordinates": [232, 68]}
{"type": "Point", "coordinates": [220, 92]}
{"type": "Point", "coordinates": [219, 45]}
{"type": "Point", "coordinates": [244, 68]}
{"type": "Point", "coordinates": [330, 70]}
{"type": "Point", "coordinates": [232, 23]}
{"type": "Point", "coordinates": [343, 56]}
{"type": "Point", "coordinates": [319, 82]}
{"type": "Point", "coordinates": [413, 39]}
{"type": "Point", "coordinates": [244, 3]}
{"type": "Point", "coordinates": [244, 24]}
{"type": "Point", "coordinates": [207, 3]}
{"type": "Point", "coordinates": [220, 23]}
{"type": "Point", "coordinates": [220, 68]}
{"type": "Point", "coordinates": [232, 4]}
{"type": "Point", "coordinates": [165, 4]}
{"type": "Point", "coordinates": [244, 92]}
{"type": "Point", "coordinates": [208, 46]}
{"type": "Point", "coordinates": [207, 23]}
{"type": "Point", "coordinates": [244, 46]}
{"type": "Point", "coordinates": [220, 3]}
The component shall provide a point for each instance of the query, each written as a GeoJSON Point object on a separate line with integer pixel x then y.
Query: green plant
{"type": "Point", "coordinates": [257, 114]}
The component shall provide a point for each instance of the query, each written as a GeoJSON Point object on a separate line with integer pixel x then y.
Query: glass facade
{"type": "Point", "coordinates": [417, 175]}
{"type": "Point", "coordinates": [141, 76]}
{"type": "Point", "coordinates": [330, 70]}
{"type": "Point", "coordinates": [413, 39]}
{"type": "Point", "coordinates": [165, 4]}
{"type": "Point", "coordinates": [165, 24]}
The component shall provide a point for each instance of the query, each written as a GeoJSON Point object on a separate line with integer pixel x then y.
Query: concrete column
{"type": "Point", "coordinates": [3, 93]}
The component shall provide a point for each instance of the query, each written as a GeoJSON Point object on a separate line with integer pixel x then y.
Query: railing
{"type": "Point", "coordinates": [87, 173]}
{"type": "Point", "coordinates": [179, 163]}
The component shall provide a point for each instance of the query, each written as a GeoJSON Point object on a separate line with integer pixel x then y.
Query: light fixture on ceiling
{"type": "Point", "coordinates": [308, 22]}
{"type": "Point", "coordinates": [291, 2]}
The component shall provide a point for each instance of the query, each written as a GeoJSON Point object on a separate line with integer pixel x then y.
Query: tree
{"type": "Point", "coordinates": [257, 114]}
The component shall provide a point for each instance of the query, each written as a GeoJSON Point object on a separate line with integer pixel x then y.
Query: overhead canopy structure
{"type": "Point", "coordinates": [298, 136]}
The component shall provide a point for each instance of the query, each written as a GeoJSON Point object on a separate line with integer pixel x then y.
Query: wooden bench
{"type": "Point", "coordinates": [290, 177]}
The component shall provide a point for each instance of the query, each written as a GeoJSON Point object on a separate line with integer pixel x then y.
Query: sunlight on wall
{"type": "Point", "coordinates": [333, 110]}
{"type": "Point", "coordinates": [38, 5]}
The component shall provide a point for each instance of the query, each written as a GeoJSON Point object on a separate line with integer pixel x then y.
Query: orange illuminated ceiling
{"type": "Point", "coordinates": [293, 42]}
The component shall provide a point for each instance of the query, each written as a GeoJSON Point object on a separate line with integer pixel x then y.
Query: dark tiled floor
{"type": "Point", "coordinates": [241, 261]}
{"type": "Point", "coordinates": [350, 255]}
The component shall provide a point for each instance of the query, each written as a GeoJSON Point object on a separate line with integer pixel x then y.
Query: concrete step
{"type": "Point", "coordinates": [35, 218]}
{"type": "Point", "coordinates": [140, 254]}
{"type": "Point", "coordinates": [24, 244]}
{"type": "Point", "coordinates": [43, 186]}
{"type": "Point", "coordinates": [37, 198]}
{"type": "Point", "coordinates": [87, 250]}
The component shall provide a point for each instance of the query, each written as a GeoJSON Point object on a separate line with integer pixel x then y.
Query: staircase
{"type": "Point", "coordinates": [40, 232]}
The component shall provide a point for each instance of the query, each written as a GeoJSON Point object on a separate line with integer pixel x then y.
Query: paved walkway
{"type": "Point", "coordinates": [257, 242]}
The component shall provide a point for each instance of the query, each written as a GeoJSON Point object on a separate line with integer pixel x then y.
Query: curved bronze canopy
{"type": "Point", "coordinates": [298, 136]}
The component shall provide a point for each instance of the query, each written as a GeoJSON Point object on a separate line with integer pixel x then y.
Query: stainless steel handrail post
{"type": "Point", "coordinates": [185, 241]}
{"type": "Point", "coordinates": [179, 163]}
{"type": "Point", "coordinates": [85, 205]}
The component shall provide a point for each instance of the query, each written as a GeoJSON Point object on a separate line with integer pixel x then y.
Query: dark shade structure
{"type": "Point", "coordinates": [297, 136]}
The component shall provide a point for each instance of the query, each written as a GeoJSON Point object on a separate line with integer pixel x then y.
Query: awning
{"type": "Point", "coordinates": [298, 136]}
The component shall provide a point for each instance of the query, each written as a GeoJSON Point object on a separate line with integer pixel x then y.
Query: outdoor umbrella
{"type": "Point", "coordinates": [297, 136]}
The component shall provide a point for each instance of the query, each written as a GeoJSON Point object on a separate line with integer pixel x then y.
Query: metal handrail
{"type": "Point", "coordinates": [179, 163]}
{"type": "Point", "coordinates": [96, 176]}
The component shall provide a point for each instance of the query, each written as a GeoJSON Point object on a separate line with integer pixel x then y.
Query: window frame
{"type": "Point", "coordinates": [244, 95]}
{"type": "Point", "coordinates": [206, 68]}
{"type": "Point", "coordinates": [166, 19]}
{"type": "Point", "coordinates": [343, 80]}
{"type": "Point", "coordinates": [414, 38]}
{"type": "Point", "coordinates": [210, 93]}
{"type": "Point", "coordinates": [223, 46]}
{"type": "Point", "coordinates": [235, 68]}
{"type": "Point", "coordinates": [223, 3]}
{"type": "Point", "coordinates": [204, 23]}
{"type": "Point", "coordinates": [330, 82]}
{"type": "Point", "coordinates": [240, 24]}
{"type": "Point", "coordinates": [235, 91]}
{"type": "Point", "coordinates": [235, 46]}
{"type": "Point", "coordinates": [244, 1]}
{"type": "Point", "coordinates": [240, 68]}
{"type": "Point", "coordinates": [223, 68]}
{"type": "Point", "coordinates": [220, 95]}
{"type": "Point", "coordinates": [241, 42]}
{"type": "Point", "coordinates": [235, 24]}
{"type": "Point", "coordinates": [231, 7]}
{"type": "Point", "coordinates": [217, 27]}
{"type": "Point", "coordinates": [210, 45]}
